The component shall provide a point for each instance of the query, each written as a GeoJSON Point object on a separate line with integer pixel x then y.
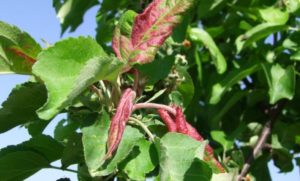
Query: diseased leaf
{"type": "Point", "coordinates": [153, 26]}
{"type": "Point", "coordinates": [200, 36]}
{"type": "Point", "coordinates": [257, 33]}
{"type": "Point", "coordinates": [21, 105]}
{"type": "Point", "coordinates": [281, 82]}
{"type": "Point", "coordinates": [68, 68]}
{"type": "Point", "coordinates": [18, 51]}
{"type": "Point", "coordinates": [121, 42]}
{"type": "Point", "coordinates": [174, 166]}
{"type": "Point", "coordinates": [71, 12]}
{"type": "Point", "coordinates": [142, 160]}
{"type": "Point", "coordinates": [119, 120]}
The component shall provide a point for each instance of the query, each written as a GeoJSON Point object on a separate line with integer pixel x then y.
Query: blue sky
{"type": "Point", "coordinates": [38, 18]}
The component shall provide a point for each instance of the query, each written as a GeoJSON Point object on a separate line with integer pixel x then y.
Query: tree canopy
{"type": "Point", "coordinates": [168, 89]}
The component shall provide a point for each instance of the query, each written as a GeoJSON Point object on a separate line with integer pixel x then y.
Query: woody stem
{"type": "Point", "coordinates": [154, 106]}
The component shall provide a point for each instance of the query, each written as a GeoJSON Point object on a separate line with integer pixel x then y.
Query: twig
{"type": "Point", "coordinates": [260, 144]}
{"type": "Point", "coordinates": [143, 126]}
{"type": "Point", "coordinates": [273, 113]}
{"type": "Point", "coordinates": [97, 92]}
{"type": "Point", "coordinates": [69, 170]}
{"type": "Point", "coordinates": [154, 106]}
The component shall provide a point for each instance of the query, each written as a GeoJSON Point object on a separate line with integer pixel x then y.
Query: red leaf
{"type": "Point", "coordinates": [119, 120]}
{"type": "Point", "coordinates": [167, 120]}
{"type": "Point", "coordinates": [153, 26]}
{"type": "Point", "coordinates": [23, 55]}
{"type": "Point", "coordinates": [121, 42]}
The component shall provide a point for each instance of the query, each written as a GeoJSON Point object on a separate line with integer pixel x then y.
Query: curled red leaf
{"type": "Point", "coordinates": [119, 120]}
{"type": "Point", "coordinates": [180, 125]}
{"type": "Point", "coordinates": [154, 26]}
{"type": "Point", "coordinates": [168, 120]}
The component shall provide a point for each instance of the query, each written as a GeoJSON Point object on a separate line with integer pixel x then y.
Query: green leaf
{"type": "Point", "coordinates": [21, 161]}
{"type": "Point", "coordinates": [198, 166]}
{"type": "Point", "coordinates": [21, 105]}
{"type": "Point", "coordinates": [18, 51]}
{"type": "Point", "coordinates": [36, 128]}
{"type": "Point", "coordinates": [70, 12]}
{"type": "Point", "coordinates": [274, 15]}
{"type": "Point", "coordinates": [231, 176]}
{"type": "Point", "coordinates": [156, 95]}
{"type": "Point", "coordinates": [21, 164]}
{"type": "Point", "coordinates": [105, 26]}
{"type": "Point", "coordinates": [292, 5]}
{"type": "Point", "coordinates": [281, 156]}
{"type": "Point", "coordinates": [229, 103]}
{"type": "Point", "coordinates": [259, 168]}
{"type": "Point", "coordinates": [122, 36]}
{"type": "Point", "coordinates": [64, 129]}
{"type": "Point", "coordinates": [141, 160]}
{"type": "Point", "coordinates": [156, 70]}
{"type": "Point", "coordinates": [257, 33]}
{"type": "Point", "coordinates": [173, 165]}
{"type": "Point", "coordinates": [186, 85]}
{"type": "Point", "coordinates": [45, 145]}
{"type": "Point", "coordinates": [73, 152]}
{"type": "Point", "coordinates": [231, 79]}
{"type": "Point", "coordinates": [130, 138]}
{"type": "Point", "coordinates": [200, 36]}
{"type": "Point", "coordinates": [82, 67]}
{"type": "Point", "coordinates": [223, 139]}
{"type": "Point", "coordinates": [281, 82]}
{"type": "Point", "coordinates": [209, 8]}
{"type": "Point", "coordinates": [94, 139]}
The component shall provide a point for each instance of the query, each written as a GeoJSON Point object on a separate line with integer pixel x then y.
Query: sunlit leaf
{"type": "Point", "coordinates": [257, 33]}
{"type": "Point", "coordinates": [173, 166]}
{"type": "Point", "coordinates": [223, 139]}
{"type": "Point", "coordinates": [154, 25]}
{"type": "Point", "coordinates": [274, 15]}
{"type": "Point", "coordinates": [18, 51]}
{"type": "Point", "coordinates": [200, 36]}
{"type": "Point", "coordinates": [281, 82]}
{"type": "Point", "coordinates": [68, 68]}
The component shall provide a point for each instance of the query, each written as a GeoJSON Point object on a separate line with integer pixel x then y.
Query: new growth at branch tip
{"type": "Point", "coordinates": [119, 120]}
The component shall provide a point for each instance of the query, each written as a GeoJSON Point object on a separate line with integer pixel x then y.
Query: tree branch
{"type": "Point", "coordinates": [273, 113]}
